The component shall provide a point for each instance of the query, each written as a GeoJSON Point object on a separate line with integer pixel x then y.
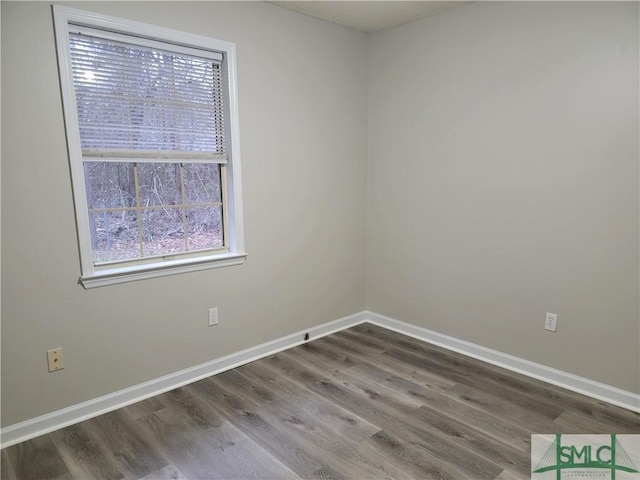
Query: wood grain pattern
{"type": "Point", "coordinates": [361, 403]}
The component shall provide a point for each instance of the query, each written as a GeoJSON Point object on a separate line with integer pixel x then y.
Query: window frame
{"type": "Point", "coordinates": [92, 276]}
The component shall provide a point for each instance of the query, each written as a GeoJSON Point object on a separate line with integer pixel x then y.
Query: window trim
{"type": "Point", "coordinates": [95, 277]}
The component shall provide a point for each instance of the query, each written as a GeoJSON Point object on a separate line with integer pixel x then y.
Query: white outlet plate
{"type": "Point", "coordinates": [551, 322]}
{"type": "Point", "coordinates": [54, 359]}
{"type": "Point", "coordinates": [213, 316]}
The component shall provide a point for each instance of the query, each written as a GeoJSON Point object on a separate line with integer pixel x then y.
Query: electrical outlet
{"type": "Point", "coordinates": [54, 359]}
{"type": "Point", "coordinates": [213, 316]}
{"type": "Point", "coordinates": [551, 322]}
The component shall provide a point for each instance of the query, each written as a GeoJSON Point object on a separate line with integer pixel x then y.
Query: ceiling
{"type": "Point", "coordinates": [369, 16]}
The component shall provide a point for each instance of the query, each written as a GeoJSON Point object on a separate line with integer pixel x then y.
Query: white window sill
{"type": "Point", "coordinates": [114, 276]}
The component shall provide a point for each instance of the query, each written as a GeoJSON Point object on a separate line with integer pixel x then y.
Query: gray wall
{"type": "Point", "coordinates": [302, 85]}
{"type": "Point", "coordinates": [503, 181]}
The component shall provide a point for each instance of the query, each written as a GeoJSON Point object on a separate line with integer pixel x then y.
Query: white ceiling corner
{"type": "Point", "coordinates": [369, 16]}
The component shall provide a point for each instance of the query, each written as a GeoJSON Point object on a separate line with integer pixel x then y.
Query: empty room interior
{"type": "Point", "coordinates": [320, 239]}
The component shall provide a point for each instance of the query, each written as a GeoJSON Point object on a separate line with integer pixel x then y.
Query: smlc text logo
{"type": "Point", "coordinates": [578, 457]}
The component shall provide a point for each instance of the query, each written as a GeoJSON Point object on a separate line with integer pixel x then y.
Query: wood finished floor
{"type": "Point", "coordinates": [365, 403]}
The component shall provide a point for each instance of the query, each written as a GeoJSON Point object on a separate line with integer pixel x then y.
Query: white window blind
{"type": "Point", "coordinates": [146, 102]}
{"type": "Point", "coordinates": [151, 116]}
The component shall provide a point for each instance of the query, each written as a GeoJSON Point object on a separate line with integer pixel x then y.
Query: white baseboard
{"type": "Point", "coordinates": [35, 427]}
{"type": "Point", "coordinates": [575, 383]}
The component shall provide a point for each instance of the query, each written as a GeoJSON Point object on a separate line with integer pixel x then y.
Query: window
{"type": "Point", "coordinates": [152, 130]}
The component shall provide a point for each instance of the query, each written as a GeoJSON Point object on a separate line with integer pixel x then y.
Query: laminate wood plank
{"type": "Point", "coordinates": [600, 412]}
{"type": "Point", "coordinates": [384, 361]}
{"type": "Point", "coordinates": [497, 417]}
{"type": "Point", "coordinates": [239, 457]}
{"type": "Point", "coordinates": [362, 343]}
{"type": "Point", "coordinates": [376, 459]}
{"type": "Point", "coordinates": [498, 451]}
{"type": "Point", "coordinates": [495, 428]}
{"type": "Point", "coordinates": [440, 356]}
{"type": "Point", "coordinates": [126, 443]}
{"type": "Point", "coordinates": [511, 475]}
{"type": "Point", "coordinates": [342, 421]}
{"type": "Point", "coordinates": [256, 392]}
{"type": "Point", "coordinates": [502, 428]}
{"type": "Point", "coordinates": [541, 391]}
{"type": "Point", "coordinates": [486, 384]}
{"type": "Point", "coordinates": [221, 452]}
{"type": "Point", "coordinates": [493, 448]}
{"type": "Point", "coordinates": [307, 431]}
{"type": "Point", "coordinates": [420, 362]}
{"type": "Point", "coordinates": [169, 472]}
{"type": "Point", "coordinates": [203, 445]}
{"type": "Point", "coordinates": [404, 460]}
{"type": "Point", "coordinates": [349, 342]}
{"type": "Point", "coordinates": [194, 411]}
{"type": "Point", "coordinates": [37, 459]}
{"type": "Point", "coordinates": [296, 422]}
{"type": "Point", "coordinates": [180, 444]}
{"type": "Point", "coordinates": [576, 421]}
{"type": "Point", "coordinates": [300, 458]}
{"type": "Point", "coordinates": [144, 407]}
{"type": "Point", "coordinates": [500, 405]}
{"type": "Point", "coordinates": [528, 395]}
{"type": "Point", "coordinates": [473, 373]}
{"type": "Point", "coordinates": [384, 376]}
{"type": "Point", "coordinates": [6, 468]}
{"type": "Point", "coordinates": [412, 460]}
{"type": "Point", "coordinates": [403, 389]}
{"type": "Point", "coordinates": [85, 454]}
{"type": "Point", "coordinates": [390, 413]}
